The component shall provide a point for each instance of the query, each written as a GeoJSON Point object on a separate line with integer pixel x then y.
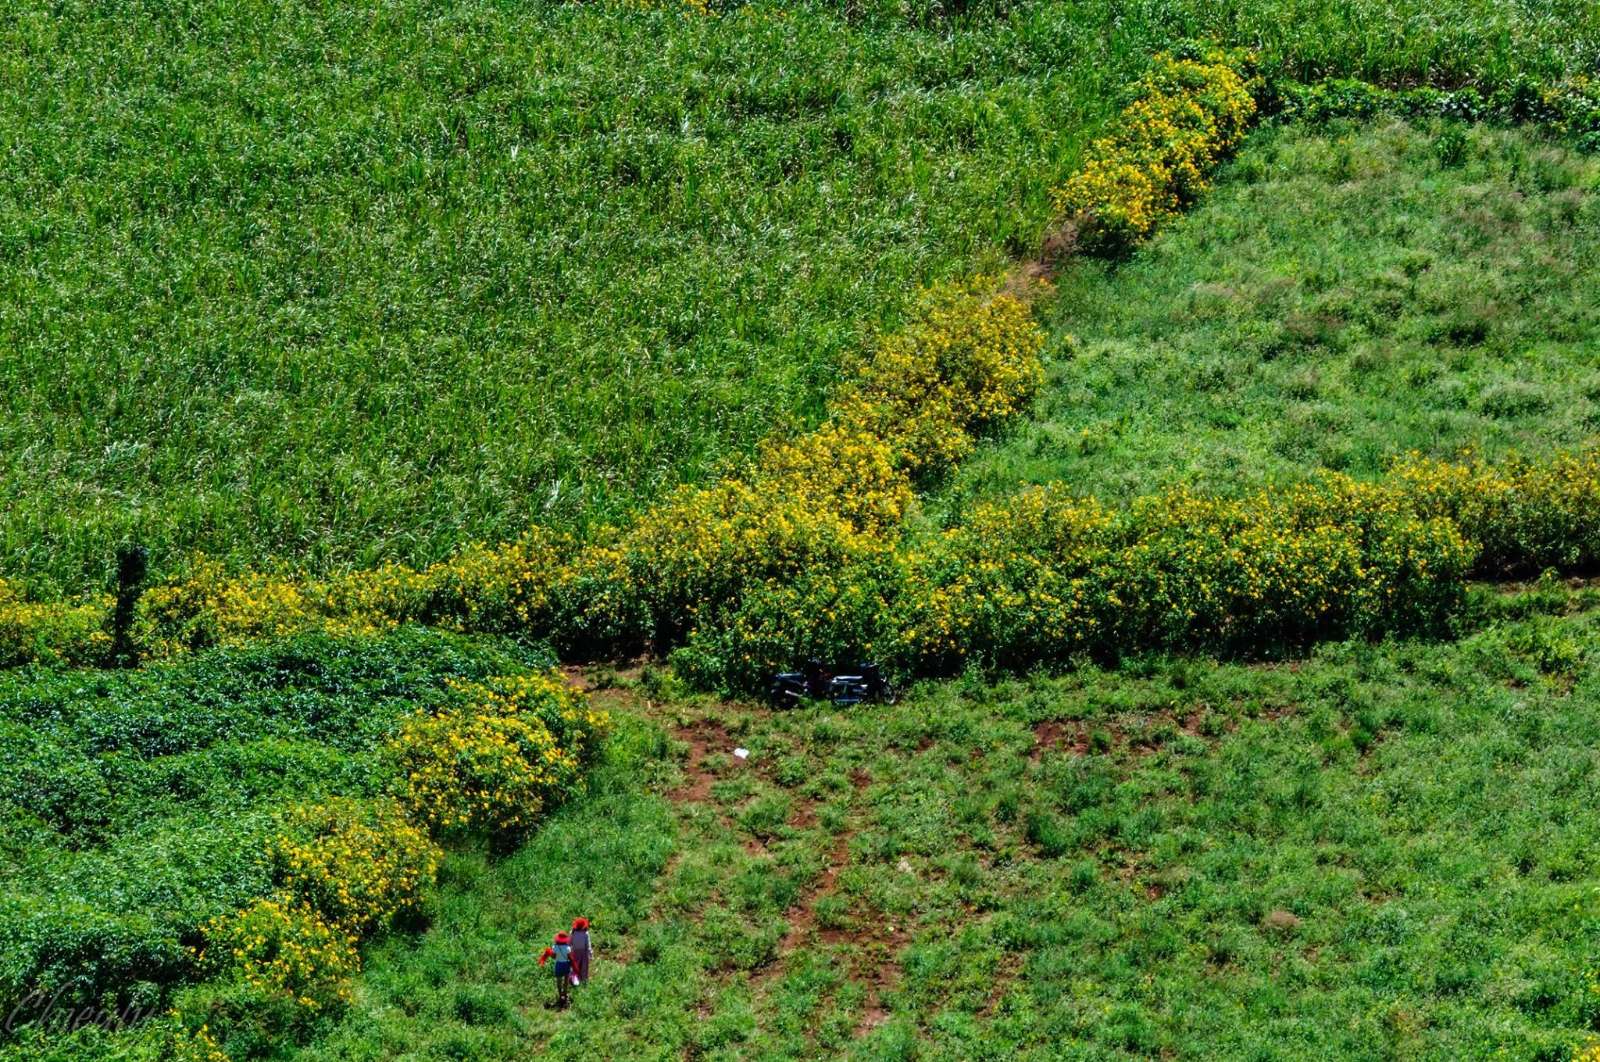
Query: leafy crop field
{"type": "Point", "coordinates": [137, 806]}
{"type": "Point", "coordinates": [330, 285]}
{"type": "Point", "coordinates": [1200, 399]}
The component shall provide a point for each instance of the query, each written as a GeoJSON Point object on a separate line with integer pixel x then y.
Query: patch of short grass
{"type": "Point", "coordinates": [1377, 851]}
{"type": "Point", "coordinates": [1343, 297]}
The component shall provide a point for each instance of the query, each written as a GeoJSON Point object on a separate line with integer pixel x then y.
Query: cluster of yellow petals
{"type": "Point", "coordinates": [493, 764]}
{"type": "Point", "coordinates": [1186, 115]}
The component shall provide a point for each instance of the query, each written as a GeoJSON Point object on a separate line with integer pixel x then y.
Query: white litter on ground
{"type": "Point", "coordinates": [741, 753]}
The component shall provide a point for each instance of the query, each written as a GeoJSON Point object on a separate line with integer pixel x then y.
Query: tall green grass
{"type": "Point", "coordinates": [336, 283]}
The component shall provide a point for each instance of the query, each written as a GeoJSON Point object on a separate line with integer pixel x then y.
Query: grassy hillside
{"type": "Point", "coordinates": [1382, 851]}
{"type": "Point", "coordinates": [1342, 298]}
{"type": "Point", "coordinates": [334, 284]}
{"type": "Point", "coordinates": [313, 286]}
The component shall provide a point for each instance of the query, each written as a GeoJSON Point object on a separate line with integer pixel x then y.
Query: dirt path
{"type": "Point", "coordinates": [869, 949]}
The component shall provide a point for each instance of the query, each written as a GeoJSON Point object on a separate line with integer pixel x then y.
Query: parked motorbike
{"type": "Point", "coordinates": [844, 687]}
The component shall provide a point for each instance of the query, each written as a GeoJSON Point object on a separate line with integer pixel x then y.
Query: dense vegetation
{"type": "Point", "coordinates": [335, 288]}
{"type": "Point", "coordinates": [509, 293]}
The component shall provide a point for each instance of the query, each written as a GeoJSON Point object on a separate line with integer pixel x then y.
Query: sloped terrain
{"type": "Point", "coordinates": [1344, 297]}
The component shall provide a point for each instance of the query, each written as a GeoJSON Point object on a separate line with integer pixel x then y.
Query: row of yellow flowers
{"type": "Point", "coordinates": [345, 869]}
{"type": "Point", "coordinates": [1047, 577]}
{"type": "Point", "coordinates": [1186, 114]}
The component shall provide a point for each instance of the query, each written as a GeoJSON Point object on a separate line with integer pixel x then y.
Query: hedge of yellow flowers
{"type": "Point", "coordinates": [360, 865]}
{"type": "Point", "coordinates": [1186, 114]}
{"type": "Point", "coordinates": [1523, 516]}
{"type": "Point", "coordinates": [505, 750]}
{"type": "Point", "coordinates": [1046, 577]}
{"type": "Point", "coordinates": [967, 357]}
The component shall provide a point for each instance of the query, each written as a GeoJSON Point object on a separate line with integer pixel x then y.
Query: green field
{"type": "Point", "coordinates": [309, 287]}
{"type": "Point", "coordinates": [329, 284]}
{"type": "Point", "coordinates": [1380, 852]}
{"type": "Point", "coordinates": [1344, 297]}
{"type": "Point", "coordinates": [339, 289]}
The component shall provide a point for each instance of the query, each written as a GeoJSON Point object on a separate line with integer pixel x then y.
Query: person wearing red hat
{"type": "Point", "coordinates": [580, 950]}
{"type": "Point", "coordinates": [561, 952]}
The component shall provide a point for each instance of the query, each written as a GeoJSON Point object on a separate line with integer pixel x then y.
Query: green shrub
{"type": "Point", "coordinates": [138, 806]}
{"type": "Point", "coordinates": [495, 763]}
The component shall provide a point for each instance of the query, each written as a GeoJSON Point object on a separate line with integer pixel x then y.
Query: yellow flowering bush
{"type": "Point", "coordinates": [507, 587]}
{"type": "Point", "coordinates": [967, 359]}
{"type": "Point", "coordinates": [481, 588]}
{"type": "Point", "coordinates": [212, 606]}
{"type": "Point", "coordinates": [513, 747]}
{"type": "Point", "coordinates": [282, 948]}
{"type": "Point", "coordinates": [1523, 516]}
{"type": "Point", "coordinates": [55, 632]}
{"type": "Point", "coordinates": [1046, 576]}
{"type": "Point", "coordinates": [577, 726]}
{"type": "Point", "coordinates": [462, 771]}
{"type": "Point", "coordinates": [1185, 116]}
{"type": "Point", "coordinates": [832, 614]}
{"type": "Point", "coordinates": [360, 865]}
